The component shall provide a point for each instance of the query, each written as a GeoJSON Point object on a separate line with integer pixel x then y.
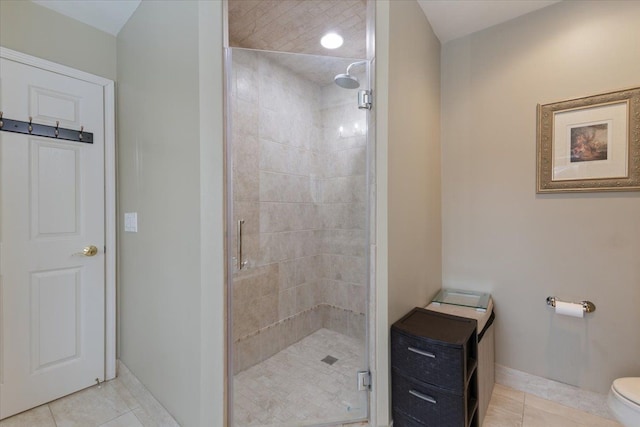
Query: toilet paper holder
{"type": "Point", "coordinates": [587, 306]}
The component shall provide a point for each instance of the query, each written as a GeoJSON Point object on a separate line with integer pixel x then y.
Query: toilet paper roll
{"type": "Point", "coordinates": [569, 309]}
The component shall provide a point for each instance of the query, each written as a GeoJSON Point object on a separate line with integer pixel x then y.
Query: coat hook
{"type": "Point", "coordinates": [30, 127]}
{"type": "Point", "coordinates": [81, 129]}
{"type": "Point", "coordinates": [57, 124]}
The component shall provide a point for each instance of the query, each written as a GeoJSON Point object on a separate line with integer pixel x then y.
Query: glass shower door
{"type": "Point", "coordinates": [298, 291]}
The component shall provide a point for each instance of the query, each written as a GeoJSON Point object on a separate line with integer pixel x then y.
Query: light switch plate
{"type": "Point", "coordinates": [131, 222]}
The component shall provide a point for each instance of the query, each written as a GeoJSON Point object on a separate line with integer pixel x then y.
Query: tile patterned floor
{"type": "Point", "coordinates": [295, 388]}
{"type": "Point", "coordinates": [512, 408]}
{"type": "Point", "coordinates": [122, 402]}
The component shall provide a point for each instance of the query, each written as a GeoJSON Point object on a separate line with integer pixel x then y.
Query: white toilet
{"type": "Point", "coordinates": [624, 401]}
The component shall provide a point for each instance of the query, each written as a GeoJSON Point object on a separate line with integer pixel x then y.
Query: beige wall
{"type": "Point", "coordinates": [213, 312]}
{"type": "Point", "coordinates": [408, 207]}
{"type": "Point", "coordinates": [498, 235]}
{"type": "Point", "coordinates": [170, 172]}
{"type": "Point", "coordinates": [41, 32]}
{"type": "Point", "coordinates": [413, 159]}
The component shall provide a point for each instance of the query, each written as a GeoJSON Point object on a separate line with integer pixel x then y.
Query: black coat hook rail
{"type": "Point", "coordinates": [46, 131]}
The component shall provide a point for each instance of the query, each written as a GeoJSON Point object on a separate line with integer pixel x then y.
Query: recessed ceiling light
{"type": "Point", "coordinates": [331, 41]}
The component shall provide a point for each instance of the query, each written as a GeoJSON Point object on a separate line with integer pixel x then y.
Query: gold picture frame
{"type": "Point", "coordinates": [590, 144]}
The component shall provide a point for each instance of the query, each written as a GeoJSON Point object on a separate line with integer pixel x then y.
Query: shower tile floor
{"type": "Point", "coordinates": [296, 387]}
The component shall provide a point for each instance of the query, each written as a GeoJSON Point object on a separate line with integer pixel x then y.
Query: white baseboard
{"type": "Point", "coordinates": [564, 394]}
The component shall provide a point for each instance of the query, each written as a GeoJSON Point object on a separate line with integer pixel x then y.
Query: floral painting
{"type": "Point", "coordinates": [589, 143]}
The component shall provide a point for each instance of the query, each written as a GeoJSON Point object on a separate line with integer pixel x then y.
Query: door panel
{"type": "Point", "coordinates": [55, 204]}
{"type": "Point", "coordinates": [51, 207]}
{"type": "Point", "coordinates": [49, 106]}
{"type": "Point", "coordinates": [55, 317]}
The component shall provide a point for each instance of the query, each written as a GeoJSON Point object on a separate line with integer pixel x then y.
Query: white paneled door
{"type": "Point", "coordinates": [52, 295]}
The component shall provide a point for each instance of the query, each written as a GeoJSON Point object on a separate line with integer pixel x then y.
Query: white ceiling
{"type": "Point", "coordinates": [450, 19]}
{"type": "Point", "coordinates": [106, 15]}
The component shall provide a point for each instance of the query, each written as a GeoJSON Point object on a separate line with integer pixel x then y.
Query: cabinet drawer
{"type": "Point", "coordinates": [435, 364]}
{"type": "Point", "coordinates": [401, 419]}
{"type": "Point", "coordinates": [427, 404]}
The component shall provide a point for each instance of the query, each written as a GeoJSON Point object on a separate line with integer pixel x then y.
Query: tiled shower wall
{"type": "Point", "coordinates": [300, 188]}
{"type": "Point", "coordinates": [342, 208]}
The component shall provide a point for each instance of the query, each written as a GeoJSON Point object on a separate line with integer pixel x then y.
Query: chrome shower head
{"type": "Point", "coordinates": [347, 81]}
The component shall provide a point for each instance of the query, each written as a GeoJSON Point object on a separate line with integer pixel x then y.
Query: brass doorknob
{"type": "Point", "coordinates": [89, 251]}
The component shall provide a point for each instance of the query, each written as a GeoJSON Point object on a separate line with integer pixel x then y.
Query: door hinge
{"type": "Point", "coordinates": [365, 99]}
{"type": "Point", "coordinates": [364, 380]}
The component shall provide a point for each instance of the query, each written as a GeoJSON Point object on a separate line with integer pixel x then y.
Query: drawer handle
{"type": "Point", "coordinates": [422, 352]}
{"type": "Point", "coordinates": [422, 396]}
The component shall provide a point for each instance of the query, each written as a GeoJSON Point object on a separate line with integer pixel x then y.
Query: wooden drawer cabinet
{"type": "Point", "coordinates": [433, 375]}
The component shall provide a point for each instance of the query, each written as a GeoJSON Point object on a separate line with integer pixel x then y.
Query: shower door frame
{"type": "Point", "coordinates": [372, 320]}
{"type": "Point", "coordinates": [369, 202]}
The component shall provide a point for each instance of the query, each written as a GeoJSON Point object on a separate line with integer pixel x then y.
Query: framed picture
{"type": "Point", "coordinates": [590, 144]}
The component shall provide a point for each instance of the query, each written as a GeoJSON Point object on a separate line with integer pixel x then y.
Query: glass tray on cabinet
{"type": "Point", "coordinates": [462, 298]}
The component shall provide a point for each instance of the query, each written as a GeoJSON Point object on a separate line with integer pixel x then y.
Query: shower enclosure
{"type": "Point", "coordinates": [300, 164]}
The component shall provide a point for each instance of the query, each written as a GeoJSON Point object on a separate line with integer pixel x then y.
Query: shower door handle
{"type": "Point", "coordinates": [240, 262]}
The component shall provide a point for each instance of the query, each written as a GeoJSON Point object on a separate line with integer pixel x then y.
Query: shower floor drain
{"type": "Point", "coordinates": [329, 360]}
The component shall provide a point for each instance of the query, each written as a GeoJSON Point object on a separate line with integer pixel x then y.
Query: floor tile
{"type": "Point", "coordinates": [37, 417]}
{"type": "Point", "coordinates": [508, 393]}
{"type": "Point", "coordinates": [123, 392]}
{"type": "Point", "coordinates": [150, 418]}
{"type": "Point", "coordinates": [497, 419]}
{"type": "Point", "coordinates": [122, 402]}
{"type": "Point", "coordinates": [150, 412]}
{"type": "Point", "coordinates": [505, 409]}
{"type": "Point", "coordinates": [88, 408]}
{"type": "Point", "coordinates": [540, 412]}
{"type": "Point", "coordinates": [126, 420]}
{"type": "Point", "coordinates": [564, 394]}
{"type": "Point", "coordinates": [294, 387]}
